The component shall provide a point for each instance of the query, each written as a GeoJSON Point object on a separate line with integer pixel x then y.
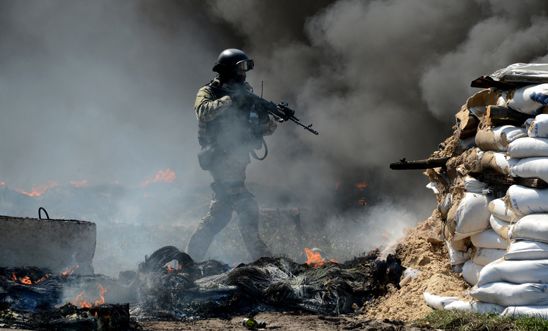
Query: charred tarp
{"type": "Point", "coordinates": [210, 289]}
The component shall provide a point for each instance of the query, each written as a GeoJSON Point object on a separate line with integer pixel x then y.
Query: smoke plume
{"type": "Point", "coordinates": [103, 91]}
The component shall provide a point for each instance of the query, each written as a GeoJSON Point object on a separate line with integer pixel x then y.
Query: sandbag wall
{"type": "Point", "coordinates": [493, 197]}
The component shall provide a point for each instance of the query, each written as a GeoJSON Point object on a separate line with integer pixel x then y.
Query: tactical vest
{"type": "Point", "coordinates": [207, 130]}
{"type": "Point", "coordinates": [234, 124]}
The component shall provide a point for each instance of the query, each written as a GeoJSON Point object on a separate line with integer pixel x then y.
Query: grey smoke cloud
{"type": "Point", "coordinates": [511, 32]}
{"type": "Point", "coordinates": [100, 90]}
{"type": "Point", "coordinates": [103, 90]}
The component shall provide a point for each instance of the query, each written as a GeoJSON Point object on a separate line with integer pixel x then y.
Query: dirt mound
{"type": "Point", "coordinates": [422, 249]}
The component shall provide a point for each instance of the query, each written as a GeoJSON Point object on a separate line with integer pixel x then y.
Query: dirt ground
{"type": "Point", "coordinates": [422, 249]}
{"type": "Point", "coordinates": [283, 321]}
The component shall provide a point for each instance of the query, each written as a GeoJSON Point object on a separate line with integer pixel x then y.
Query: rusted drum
{"type": "Point", "coordinates": [55, 244]}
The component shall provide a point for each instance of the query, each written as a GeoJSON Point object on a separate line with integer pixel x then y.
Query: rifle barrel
{"type": "Point", "coordinates": [419, 164]}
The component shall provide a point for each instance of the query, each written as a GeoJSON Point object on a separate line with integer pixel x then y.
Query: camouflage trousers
{"type": "Point", "coordinates": [229, 196]}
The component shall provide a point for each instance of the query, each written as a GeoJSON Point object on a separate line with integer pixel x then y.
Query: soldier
{"type": "Point", "coordinates": [230, 129]}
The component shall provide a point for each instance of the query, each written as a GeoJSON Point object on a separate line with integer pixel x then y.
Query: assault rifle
{"type": "Point", "coordinates": [419, 164]}
{"type": "Point", "coordinates": [281, 111]}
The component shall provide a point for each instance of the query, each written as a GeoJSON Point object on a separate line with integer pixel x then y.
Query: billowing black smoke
{"type": "Point", "coordinates": [103, 90]}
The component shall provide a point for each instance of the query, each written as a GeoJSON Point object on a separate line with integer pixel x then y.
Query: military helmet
{"type": "Point", "coordinates": [233, 59]}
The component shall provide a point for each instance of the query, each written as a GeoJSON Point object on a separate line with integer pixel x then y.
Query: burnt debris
{"type": "Point", "coordinates": [210, 289]}
{"type": "Point", "coordinates": [170, 285]}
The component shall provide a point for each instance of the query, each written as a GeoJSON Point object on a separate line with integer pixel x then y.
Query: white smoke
{"type": "Point", "coordinates": [104, 90]}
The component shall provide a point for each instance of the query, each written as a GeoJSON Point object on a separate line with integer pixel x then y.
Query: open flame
{"type": "Point", "coordinates": [162, 176]}
{"type": "Point", "coordinates": [173, 266]}
{"type": "Point", "coordinates": [314, 258]}
{"type": "Point", "coordinates": [68, 271]}
{"type": "Point", "coordinates": [83, 302]}
{"type": "Point", "coordinates": [26, 280]}
{"type": "Point", "coordinates": [39, 190]}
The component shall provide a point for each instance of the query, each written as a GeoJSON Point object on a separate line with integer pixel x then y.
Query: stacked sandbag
{"type": "Point", "coordinates": [493, 197]}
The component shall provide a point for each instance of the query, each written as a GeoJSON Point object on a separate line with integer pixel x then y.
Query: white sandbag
{"type": "Point", "coordinates": [500, 210]}
{"type": "Point", "coordinates": [507, 294]}
{"type": "Point", "coordinates": [489, 239]}
{"type": "Point", "coordinates": [539, 127]}
{"type": "Point", "coordinates": [498, 138]}
{"type": "Point", "coordinates": [526, 250]}
{"type": "Point", "coordinates": [433, 187]}
{"type": "Point", "coordinates": [509, 133]}
{"type": "Point", "coordinates": [531, 227]}
{"type": "Point", "coordinates": [528, 147]}
{"type": "Point", "coordinates": [531, 311]}
{"type": "Point", "coordinates": [525, 200]}
{"type": "Point", "coordinates": [475, 307]}
{"type": "Point", "coordinates": [531, 167]}
{"type": "Point", "coordinates": [470, 272]}
{"type": "Point", "coordinates": [471, 215]}
{"type": "Point", "coordinates": [436, 301]}
{"type": "Point", "coordinates": [473, 185]}
{"type": "Point", "coordinates": [524, 98]}
{"type": "Point", "coordinates": [515, 271]}
{"type": "Point", "coordinates": [445, 205]}
{"type": "Point", "coordinates": [456, 256]}
{"type": "Point", "coordinates": [484, 256]}
{"type": "Point", "coordinates": [498, 162]}
{"type": "Point", "coordinates": [501, 227]}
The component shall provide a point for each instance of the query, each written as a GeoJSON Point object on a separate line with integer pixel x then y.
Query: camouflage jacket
{"type": "Point", "coordinates": [225, 122]}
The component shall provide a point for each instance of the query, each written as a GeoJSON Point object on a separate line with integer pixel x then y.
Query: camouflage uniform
{"type": "Point", "coordinates": [224, 126]}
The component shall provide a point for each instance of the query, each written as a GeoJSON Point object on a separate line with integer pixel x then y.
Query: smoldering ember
{"type": "Point", "coordinates": [229, 165]}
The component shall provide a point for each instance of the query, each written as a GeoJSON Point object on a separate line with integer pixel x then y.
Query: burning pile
{"type": "Point", "coordinates": [211, 289]}
{"type": "Point", "coordinates": [167, 285]}
{"type": "Point", "coordinates": [490, 183]}
{"type": "Point", "coordinates": [34, 298]}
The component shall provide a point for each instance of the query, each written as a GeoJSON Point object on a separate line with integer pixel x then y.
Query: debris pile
{"type": "Point", "coordinates": [172, 285]}
{"type": "Point", "coordinates": [492, 193]}
{"type": "Point", "coordinates": [424, 254]}
{"type": "Point", "coordinates": [34, 298]}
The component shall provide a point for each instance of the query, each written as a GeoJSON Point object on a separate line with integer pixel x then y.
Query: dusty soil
{"type": "Point", "coordinates": [421, 249]}
{"type": "Point", "coordinates": [283, 321]}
